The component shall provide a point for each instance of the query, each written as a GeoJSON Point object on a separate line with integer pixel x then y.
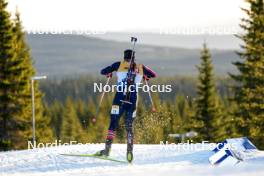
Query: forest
{"type": "Point", "coordinates": [213, 106]}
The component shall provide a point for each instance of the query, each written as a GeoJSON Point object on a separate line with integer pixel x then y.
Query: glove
{"type": "Point", "coordinates": [109, 75]}
{"type": "Point", "coordinates": [146, 78]}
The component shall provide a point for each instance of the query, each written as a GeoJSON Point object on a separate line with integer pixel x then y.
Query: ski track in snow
{"type": "Point", "coordinates": [148, 160]}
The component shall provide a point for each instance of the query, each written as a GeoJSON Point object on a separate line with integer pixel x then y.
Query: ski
{"type": "Point", "coordinates": [95, 156]}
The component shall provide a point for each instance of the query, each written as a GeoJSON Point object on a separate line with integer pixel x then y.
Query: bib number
{"type": "Point", "coordinates": [115, 109]}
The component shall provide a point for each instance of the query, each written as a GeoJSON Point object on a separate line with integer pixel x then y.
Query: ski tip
{"type": "Point", "coordinates": [129, 157]}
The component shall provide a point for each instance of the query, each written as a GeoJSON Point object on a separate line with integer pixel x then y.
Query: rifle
{"type": "Point", "coordinates": [131, 75]}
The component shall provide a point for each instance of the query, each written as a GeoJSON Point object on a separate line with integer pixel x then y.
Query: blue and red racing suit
{"type": "Point", "coordinates": [118, 107]}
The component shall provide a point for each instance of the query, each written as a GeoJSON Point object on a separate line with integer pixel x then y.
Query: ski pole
{"type": "Point", "coordinates": [100, 102]}
{"type": "Point", "coordinates": [153, 109]}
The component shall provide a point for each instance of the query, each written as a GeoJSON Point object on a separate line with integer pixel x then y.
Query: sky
{"type": "Point", "coordinates": [129, 15]}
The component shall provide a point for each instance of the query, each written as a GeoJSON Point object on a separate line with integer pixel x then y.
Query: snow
{"type": "Point", "coordinates": [151, 160]}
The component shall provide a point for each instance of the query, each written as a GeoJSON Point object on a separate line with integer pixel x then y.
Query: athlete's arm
{"type": "Point", "coordinates": [109, 69]}
{"type": "Point", "coordinates": [148, 73]}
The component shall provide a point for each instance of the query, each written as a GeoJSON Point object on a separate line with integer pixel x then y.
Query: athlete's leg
{"type": "Point", "coordinates": [129, 118]}
{"type": "Point", "coordinates": [115, 116]}
{"type": "Point", "coordinates": [116, 113]}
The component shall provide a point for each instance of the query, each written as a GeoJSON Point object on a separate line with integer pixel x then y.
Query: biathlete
{"type": "Point", "coordinates": [122, 102]}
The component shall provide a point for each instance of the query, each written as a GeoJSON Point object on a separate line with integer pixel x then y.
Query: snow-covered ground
{"type": "Point", "coordinates": [169, 160]}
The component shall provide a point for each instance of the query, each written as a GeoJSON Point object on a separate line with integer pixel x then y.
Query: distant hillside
{"type": "Point", "coordinates": [189, 41]}
{"type": "Point", "coordinates": [60, 55]}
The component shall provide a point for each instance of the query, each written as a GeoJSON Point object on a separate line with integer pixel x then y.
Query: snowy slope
{"type": "Point", "coordinates": [151, 160]}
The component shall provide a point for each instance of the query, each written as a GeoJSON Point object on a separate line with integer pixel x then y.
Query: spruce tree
{"type": "Point", "coordinates": [207, 118]}
{"type": "Point", "coordinates": [71, 129]}
{"type": "Point", "coordinates": [26, 71]}
{"type": "Point", "coordinates": [54, 111]}
{"type": "Point", "coordinates": [16, 71]}
{"type": "Point", "coordinates": [8, 108]}
{"type": "Point", "coordinates": [184, 112]}
{"type": "Point", "coordinates": [249, 91]}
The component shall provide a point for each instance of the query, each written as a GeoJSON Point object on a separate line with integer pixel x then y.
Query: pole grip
{"type": "Point", "coordinates": [133, 39]}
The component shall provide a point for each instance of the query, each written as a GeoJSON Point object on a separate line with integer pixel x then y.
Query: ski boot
{"type": "Point", "coordinates": [102, 153]}
{"type": "Point", "coordinates": [107, 149]}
